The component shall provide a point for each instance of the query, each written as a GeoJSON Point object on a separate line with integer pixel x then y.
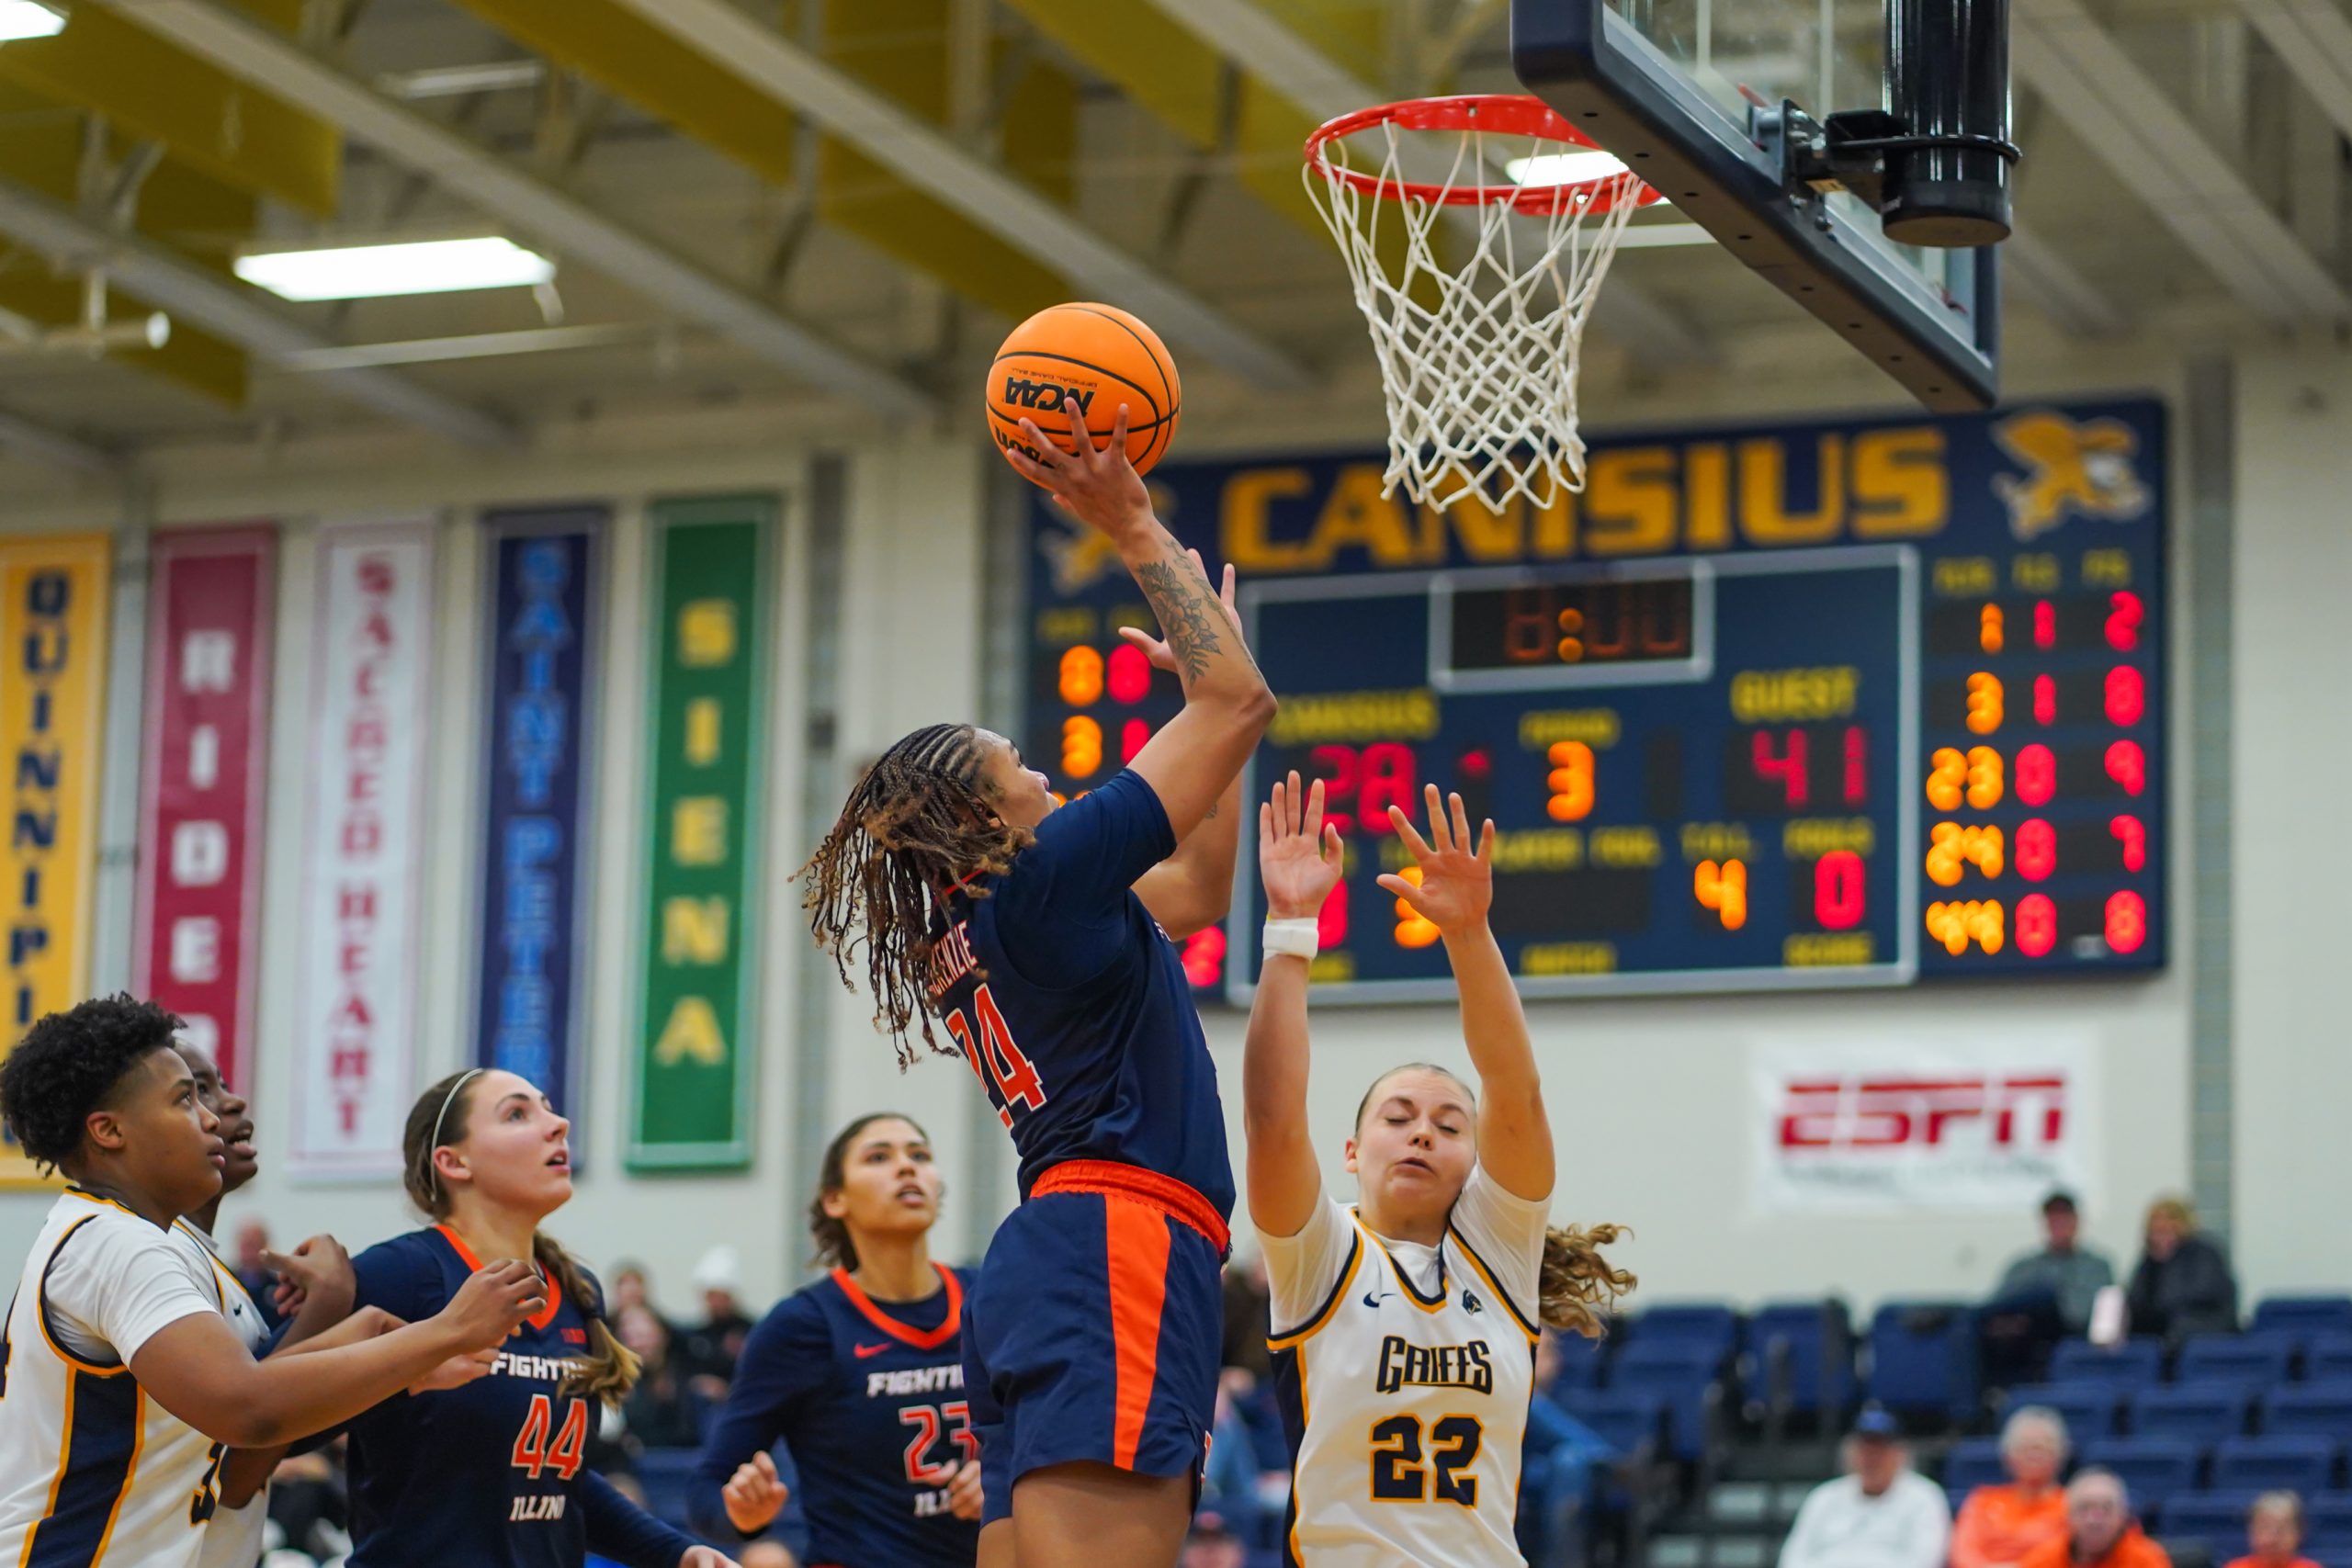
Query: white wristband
{"type": "Point", "coordinates": [1295, 939]}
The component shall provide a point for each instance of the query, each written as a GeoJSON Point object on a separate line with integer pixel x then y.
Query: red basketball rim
{"type": "Point", "coordinates": [1503, 114]}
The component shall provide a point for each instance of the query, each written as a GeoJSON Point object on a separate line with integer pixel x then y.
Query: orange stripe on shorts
{"type": "Point", "coordinates": [1135, 1241]}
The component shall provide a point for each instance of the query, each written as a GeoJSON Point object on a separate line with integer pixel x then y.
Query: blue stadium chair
{"type": "Point", "coordinates": [2152, 1468]}
{"type": "Point", "coordinates": [2311, 1409]}
{"type": "Point", "coordinates": [2328, 1513]}
{"type": "Point", "coordinates": [2091, 1410]}
{"type": "Point", "coordinates": [2291, 1463]}
{"type": "Point", "coordinates": [1792, 1340]}
{"type": "Point", "coordinates": [2215, 1519]}
{"type": "Point", "coordinates": [1702, 1323]}
{"type": "Point", "coordinates": [2202, 1413]}
{"type": "Point", "coordinates": [665, 1474]}
{"type": "Point", "coordinates": [1633, 1422]}
{"type": "Point", "coordinates": [1687, 1376]}
{"type": "Point", "coordinates": [1922, 1359]}
{"type": "Point", "coordinates": [1583, 1362]}
{"type": "Point", "coordinates": [2327, 1355]}
{"type": "Point", "coordinates": [1973, 1463]}
{"type": "Point", "coordinates": [2304, 1316]}
{"type": "Point", "coordinates": [2132, 1363]}
{"type": "Point", "coordinates": [2260, 1360]}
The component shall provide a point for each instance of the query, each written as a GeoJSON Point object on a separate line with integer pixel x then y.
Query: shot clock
{"type": "Point", "coordinates": [1855, 703]}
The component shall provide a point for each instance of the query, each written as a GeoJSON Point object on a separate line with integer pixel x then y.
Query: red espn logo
{"type": "Point", "coordinates": [1900, 1112]}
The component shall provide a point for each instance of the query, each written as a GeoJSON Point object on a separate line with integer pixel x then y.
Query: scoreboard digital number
{"type": "Point", "coordinates": [1855, 703]}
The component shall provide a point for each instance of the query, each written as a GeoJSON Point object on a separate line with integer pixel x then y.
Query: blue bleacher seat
{"type": "Point", "coordinates": [1922, 1359]}
{"type": "Point", "coordinates": [2091, 1410]}
{"type": "Point", "coordinates": [664, 1472]}
{"type": "Point", "coordinates": [2217, 1518]}
{"type": "Point", "coordinates": [2327, 1355]}
{"type": "Point", "coordinates": [1582, 1361]}
{"type": "Point", "coordinates": [2328, 1513]}
{"type": "Point", "coordinates": [2203, 1412]}
{"type": "Point", "coordinates": [2132, 1363]}
{"type": "Point", "coordinates": [2260, 1360]}
{"type": "Point", "coordinates": [1628, 1420]}
{"type": "Point", "coordinates": [1974, 1463]}
{"type": "Point", "coordinates": [2152, 1468]}
{"type": "Point", "coordinates": [1806, 1333]}
{"type": "Point", "coordinates": [2304, 1316]}
{"type": "Point", "coordinates": [2313, 1409]}
{"type": "Point", "coordinates": [2289, 1463]}
{"type": "Point", "coordinates": [1706, 1325]}
{"type": "Point", "coordinates": [1685, 1376]}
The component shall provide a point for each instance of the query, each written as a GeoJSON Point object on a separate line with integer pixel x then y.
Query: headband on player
{"type": "Point", "coordinates": [446, 1100]}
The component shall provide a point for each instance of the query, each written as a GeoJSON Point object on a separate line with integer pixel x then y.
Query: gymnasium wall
{"type": "Point", "coordinates": [1650, 1098]}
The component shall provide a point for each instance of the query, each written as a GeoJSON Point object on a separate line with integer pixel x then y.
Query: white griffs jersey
{"type": "Point", "coordinates": [1405, 1373]}
{"type": "Point", "coordinates": [92, 1472]}
{"type": "Point", "coordinates": [233, 1538]}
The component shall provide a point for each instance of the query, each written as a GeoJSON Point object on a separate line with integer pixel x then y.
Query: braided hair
{"type": "Point", "coordinates": [920, 822]}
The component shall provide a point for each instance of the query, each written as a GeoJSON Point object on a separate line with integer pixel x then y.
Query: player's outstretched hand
{"type": "Point", "coordinates": [456, 1372]}
{"type": "Point", "coordinates": [1159, 652]}
{"type": "Point", "coordinates": [964, 1492]}
{"type": "Point", "coordinates": [1299, 855]}
{"type": "Point", "coordinates": [1096, 485]}
{"type": "Point", "coordinates": [319, 1268]}
{"type": "Point", "coordinates": [492, 1303]}
{"type": "Point", "coordinates": [755, 1496]}
{"type": "Point", "coordinates": [706, 1557]}
{"type": "Point", "coordinates": [1457, 882]}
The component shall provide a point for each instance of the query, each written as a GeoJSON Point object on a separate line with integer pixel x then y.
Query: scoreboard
{"type": "Point", "coordinates": [1860, 703]}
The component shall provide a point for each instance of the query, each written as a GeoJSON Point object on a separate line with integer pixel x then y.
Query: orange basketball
{"type": "Point", "coordinates": [1076, 364]}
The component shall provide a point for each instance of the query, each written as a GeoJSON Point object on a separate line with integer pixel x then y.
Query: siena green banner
{"type": "Point", "coordinates": [707, 700]}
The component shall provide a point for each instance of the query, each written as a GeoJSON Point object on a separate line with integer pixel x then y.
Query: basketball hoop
{"type": "Point", "coordinates": [1477, 359]}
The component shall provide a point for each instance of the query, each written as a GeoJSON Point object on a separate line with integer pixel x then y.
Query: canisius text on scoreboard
{"type": "Point", "coordinates": [1855, 703]}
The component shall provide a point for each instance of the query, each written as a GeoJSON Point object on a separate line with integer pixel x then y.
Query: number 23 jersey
{"type": "Point", "coordinates": [1404, 1372]}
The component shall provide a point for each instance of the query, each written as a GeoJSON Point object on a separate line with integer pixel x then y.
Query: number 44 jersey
{"type": "Point", "coordinates": [1405, 1373]}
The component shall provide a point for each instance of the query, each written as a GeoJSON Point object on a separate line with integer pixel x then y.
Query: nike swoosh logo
{"type": "Point", "coordinates": [865, 1351]}
{"type": "Point", "coordinates": [1371, 1301]}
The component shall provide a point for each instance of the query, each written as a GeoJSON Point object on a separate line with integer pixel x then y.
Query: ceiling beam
{"type": "Point", "coordinates": [227, 309]}
{"type": "Point", "coordinates": [2085, 78]}
{"type": "Point", "coordinates": [2050, 283]}
{"type": "Point", "coordinates": [982, 191]}
{"type": "Point", "coordinates": [2314, 40]}
{"type": "Point", "coordinates": [572, 230]}
{"type": "Point", "coordinates": [56, 449]}
{"type": "Point", "coordinates": [1257, 41]}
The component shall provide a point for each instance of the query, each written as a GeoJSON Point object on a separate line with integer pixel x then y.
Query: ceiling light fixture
{"type": "Point", "coordinates": [30, 18]}
{"type": "Point", "coordinates": [1563, 168]}
{"type": "Point", "coordinates": [375, 272]}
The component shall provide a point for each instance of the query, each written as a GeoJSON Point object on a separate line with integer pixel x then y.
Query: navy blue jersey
{"type": "Point", "coordinates": [489, 1475]}
{"type": "Point", "coordinates": [868, 1397]}
{"type": "Point", "coordinates": [1072, 1006]}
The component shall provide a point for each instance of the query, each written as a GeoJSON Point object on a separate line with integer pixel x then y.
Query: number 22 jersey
{"type": "Point", "coordinates": [490, 1474]}
{"type": "Point", "coordinates": [1404, 1372]}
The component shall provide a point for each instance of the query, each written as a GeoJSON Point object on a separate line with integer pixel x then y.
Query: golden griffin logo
{"type": "Point", "coordinates": [1080, 556]}
{"type": "Point", "coordinates": [2071, 465]}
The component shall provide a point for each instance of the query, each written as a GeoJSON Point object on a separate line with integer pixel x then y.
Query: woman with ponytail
{"type": "Point", "coordinates": [861, 1375]}
{"type": "Point", "coordinates": [1404, 1330]}
{"type": "Point", "coordinates": [490, 1474]}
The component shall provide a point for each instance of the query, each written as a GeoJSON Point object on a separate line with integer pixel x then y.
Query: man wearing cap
{"type": "Point", "coordinates": [2100, 1531]}
{"type": "Point", "coordinates": [1879, 1514]}
{"type": "Point", "coordinates": [2044, 1296]}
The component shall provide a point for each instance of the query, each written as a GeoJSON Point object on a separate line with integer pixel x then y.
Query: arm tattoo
{"type": "Point", "coordinates": [1179, 597]}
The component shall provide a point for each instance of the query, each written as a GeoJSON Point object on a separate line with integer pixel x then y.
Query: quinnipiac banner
{"type": "Point", "coordinates": [197, 937]}
{"type": "Point", "coordinates": [707, 684]}
{"type": "Point", "coordinates": [54, 593]}
{"type": "Point", "coordinates": [544, 605]}
{"type": "Point", "coordinates": [355, 1015]}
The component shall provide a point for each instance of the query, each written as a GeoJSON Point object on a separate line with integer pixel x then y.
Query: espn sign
{"type": "Point", "coordinates": [1909, 1126]}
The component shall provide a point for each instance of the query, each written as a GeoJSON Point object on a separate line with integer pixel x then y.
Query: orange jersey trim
{"type": "Point", "coordinates": [539, 1319]}
{"type": "Point", "coordinates": [1109, 1179]}
{"type": "Point", "coordinates": [922, 1339]}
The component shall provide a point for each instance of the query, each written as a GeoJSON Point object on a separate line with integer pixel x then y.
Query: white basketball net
{"type": "Point", "coordinates": [1477, 360]}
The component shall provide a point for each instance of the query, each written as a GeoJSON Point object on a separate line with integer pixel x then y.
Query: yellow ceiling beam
{"type": "Point", "coordinates": [159, 93]}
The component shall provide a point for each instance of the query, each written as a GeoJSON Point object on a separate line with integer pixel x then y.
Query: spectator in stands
{"type": "Point", "coordinates": [1999, 1525]}
{"type": "Point", "coordinates": [252, 1270]}
{"type": "Point", "coordinates": [1881, 1514]}
{"type": "Point", "coordinates": [1248, 1319]}
{"type": "Point", "coordinates": [1211, 1543]}
{"type": "Point", "coordinates": [707, 1355]}
{"type": "Point", "coordinates": [2100, 1530]}
{"type": "Point", "coordinates": [660, 1411]}
{"type": "Point", "coordinates": [2183, 1285]}
{"type": "Point", "coordinates": [2274, 1528]}
{"type": "Point", "coordinates": [2044, 1297]}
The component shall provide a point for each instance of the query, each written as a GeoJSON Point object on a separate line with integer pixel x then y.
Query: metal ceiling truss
{"type": "Point", "coordinates": [2314, 40]}
{"type": "Point", "coordinates": [512, 197]}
